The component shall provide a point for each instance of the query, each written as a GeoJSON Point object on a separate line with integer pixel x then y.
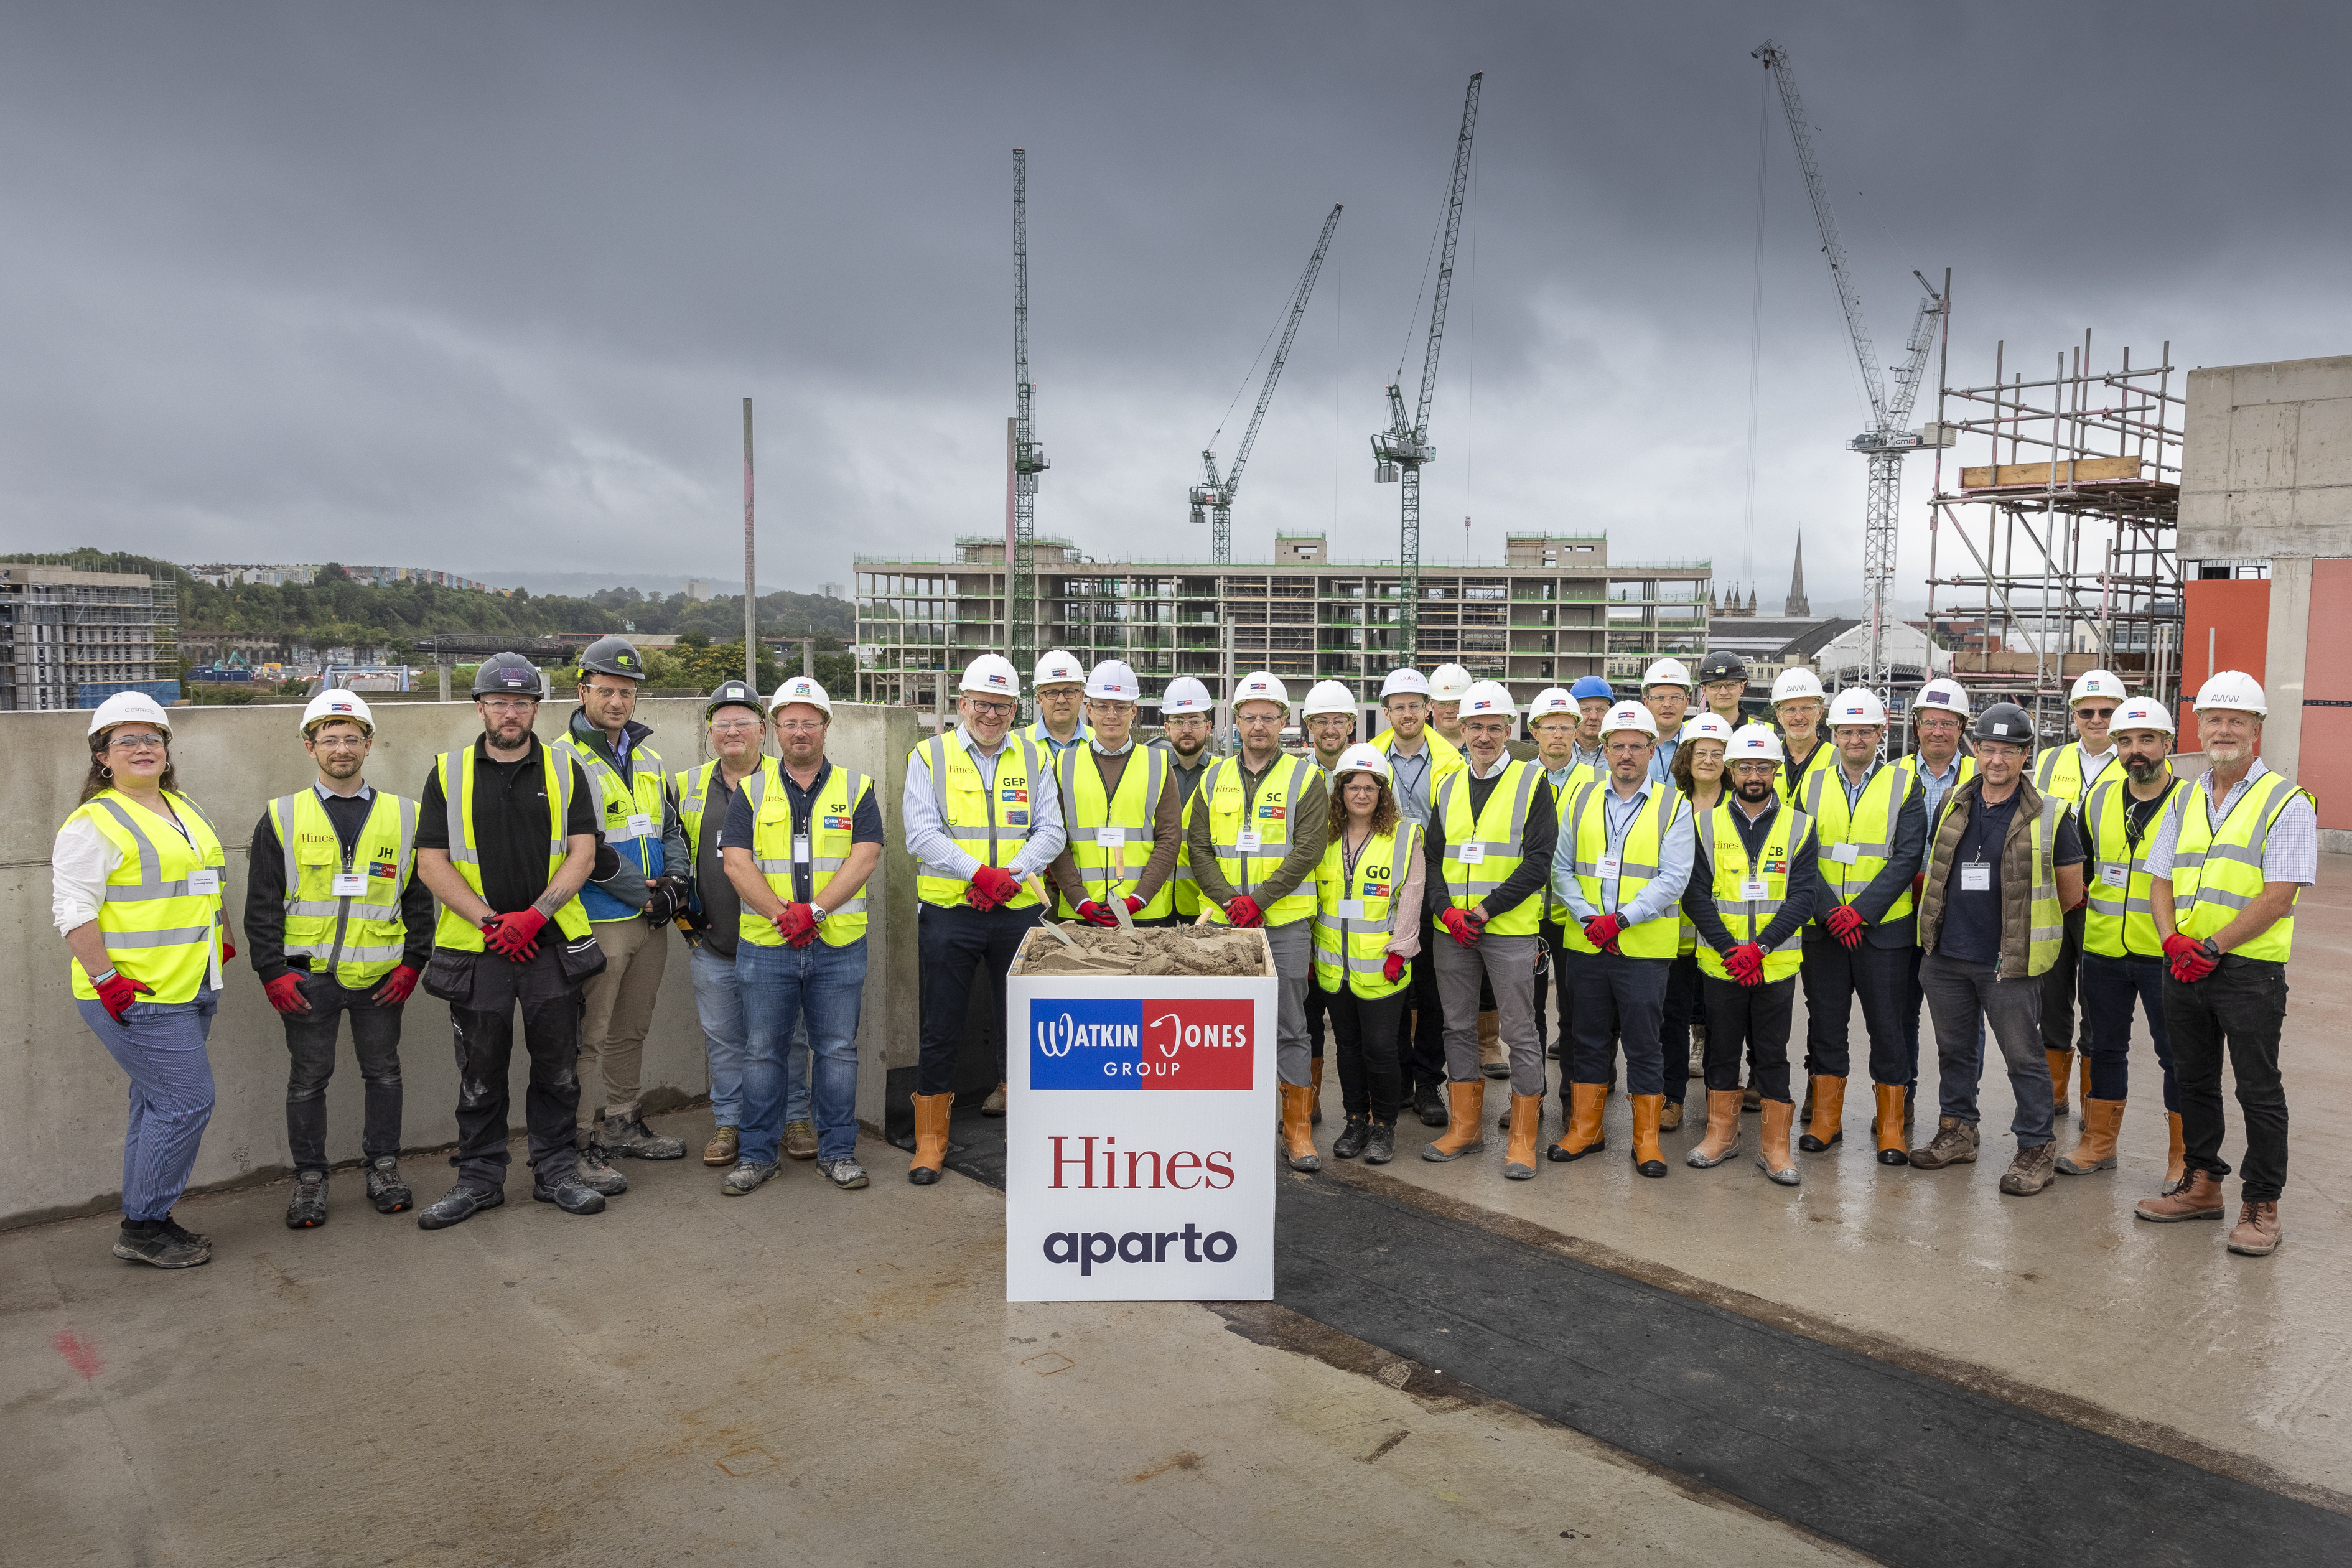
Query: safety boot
{"type": "Point", "coordinates": [2102, 1120]}
{"type": "Point", "coordinates": [1722, 1140]}
{"type": "Point", "coordinates": [1670, 1117]}
{"type": "Point", "coordinates": [630, 1136]}
{"type": "Point", "coordinates": [2031, 1171]}
{"type": "Point", "coordinates": [1466, 1132]}
{"type": "Point", "coordinates": [994, 1104]}
{"type": "Point", "coordinates": [1429, 1105]}
{"type": "Point", "coordinates": [1772, 1156]}
{"type": "Point", "coordinates": [1890, 1122]}
{"type": "Point", "coordinates": [1955, 1143]}
{"type": "Point", "coordinates": [161, 1243]}
{"type": "Point", "coordinates": [596, 1174]}
{"type": "Point", "coordinates": [2257, 1232]}
{"type": "Point", "coordinates": [1582, 1134]}
{"type": "Point", "coordinates": [384, 1188]}
{"type": "Point", "coordinates": [1527, 1119]}
{"type": "Point", "coordinates": [1825, 1123]}
{"type": "Point", "coordinates": [1492, 1061]}
{"type": "Point", "coordinates": [720, 1150]}
{"type": "Point", "coordinates": [931, 1137]}
{"type": "Point", "coordinates": [2176, 1162]}
{"type": "Point", "coordinates": [2199, 1197]}
{"type": "Point", "coordinates": [1298, 1131]}
{"type": "Point", "coordinates": [307, 1209]}
{"type": "Point", "coordinates": [1648, 1158]}
{"type": "Point", "coordinates": [1380, 1148]}
{"type": "Point", "coordinates": [1352, 1138]}
{"type": "Point", "coordinates": [2061, 1066]}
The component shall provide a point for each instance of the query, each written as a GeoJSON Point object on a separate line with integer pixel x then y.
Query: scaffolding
{"type": "Point", "coordinates": [2057, 545]}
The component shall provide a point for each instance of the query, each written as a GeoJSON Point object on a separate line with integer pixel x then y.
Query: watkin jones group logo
{"type": "Point", "coordinates": [1132, 1044]}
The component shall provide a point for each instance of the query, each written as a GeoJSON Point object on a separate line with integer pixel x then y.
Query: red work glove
{"type": "Point", "coordinates": [1601, 931]}
{"type": "Point", "coordinates": [2189, 963]}
{"type": "Point", "coordinates": [797, 925]}
{"type": "Point", "coordinates": [286, 993]}
{"type": "Point", "coordinates": [117, 991]}
{"type": "Point", "coordinates": [1393, 970]}
{"type": "Point", "coordinates": [1459, 924]}
{"type": "Point", "coordinates": [228, 948]}
{"type": "Point", "coordinates": [1746, 963]}
{"type": "Point", "coordinates": [1845, 923]}
{"type": "Point", "coordinates": [396, 988]}
{"type": "Point", "coordinates": [1243, 911]}
{"type": "Point", "coordinates": [1097, 914]}
{"type": "Point", "coordinates": [514, 936]}
{"type": "Point", "coordinates": [995, 888]}
{"type": "Point", "coordinates": [1134, 906]}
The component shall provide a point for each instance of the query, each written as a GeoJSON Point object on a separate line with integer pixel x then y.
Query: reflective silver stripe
{"type": "Point", "coordinates": [456, 785]}
{"type": "Point", "coordinates": [2228, 900]}
{"type": "Point", "coordinates": [170, 936]}
{"type": "Point", "coordinates": [2243, 854]}
{"type": "Point", "coordinates": [604, 776]}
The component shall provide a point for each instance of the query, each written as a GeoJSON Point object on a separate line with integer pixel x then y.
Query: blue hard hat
{"type": "Point", "coordinates": [1592, 686]}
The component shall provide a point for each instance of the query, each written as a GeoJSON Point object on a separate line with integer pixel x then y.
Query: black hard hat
{"type": "Point", "coordinates": [736, 692]}
{"type": "Point", "coordinates": [613, 656]}
{"type": "Point", "coordinates": [2005, 722]}
{"type": "Point", "coordinates": [507, 672]}
{"type": "Point", "coordinates": [1722, 665]}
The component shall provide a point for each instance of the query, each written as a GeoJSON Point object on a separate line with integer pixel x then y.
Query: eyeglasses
{"type": "Point", "coordinates": [735, 727]}
{"type": "Point", "coordinates": [2095, 713]}
{"type": "Point", "coordinates": [989, 709]}
{"type": "Point", "coordinates": [798, 726]}
{"type": "Point", "coordinates": [508, 704]}
{"type": "Point", "coordinates": [139, 743]}
{"type": "Point", "coordinates": [1755, 770]}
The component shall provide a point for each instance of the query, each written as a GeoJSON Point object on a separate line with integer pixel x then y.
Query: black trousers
{"type": "Point", "coordinates": [1556, 957]}
{"type": "Point", "coordinates": [1835, 975]}
{"type": "Point", "coordinates": [1317, 1002]}
{"type": "Point", "coordinates": [1626, 997]}
{"type": "Point", "coordinates": [2111, 988]}
{"type": "Point", "coordinates": [1756, 1018]}
{"type": "Point", "coordinates": [2240, 1008]}
{"type": "Point", "coordinates": [955, 943]}
{"type": "Point", "coordinates": [551, 1010]}
{"type": "Point", "coordinates": [1425, 1058]}
{"type": "Point", "coordinates": [311, 1049]}
{"type": "Point", "coordinates": [2059, 984]}
{"type": "Point", "coordinates": [1371, 1067]}
{"type": "Point", "coordinates": [1679, 1012]}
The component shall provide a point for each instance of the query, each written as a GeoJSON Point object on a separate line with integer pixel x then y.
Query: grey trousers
{"type": "Point", "coordinates": [1508, 963]}
{"type": "Point", "coordinates": [1955, 993]}
{"type": "Point", "coordinates": [1294, 970]}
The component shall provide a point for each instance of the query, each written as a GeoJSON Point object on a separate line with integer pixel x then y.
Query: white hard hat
{"type": "Point", "coordinates": [1329, 697]}
{"type": "Point", "coordinates": [2096, 683]}
{"type": "Point", "coordinates": [336, 703]}
{"type": "Point", "coordinates": [1947, 695]}
{"type": "Point", "coordinates": [2141, 713]}
{"type": "Point", "coordinates": [1666, 672]}
{"type": "Point", "coordinates": [804, 688]}
{"type": "Point", "coordinates": [1552, 699]}
{"type": "Point", "coordinates": [130, 707]}
{"type": "Point", "coordinates": [1856, 705]}
{"type": "Point", "coordinates": [1260, 685]}
{"type": "Point", "coordinates": [1487, 698]}
{"type": "Point", "coordinates": [1060, 667]}
{"type": "Point", "coordinates": [1408, 680]}
{"type": "Point", "coordinates": [1186, 695]}
{"type": "Point", "coordinates": [1795, 683]}
{"type": "Point", "coordinates": [1114, 681]}
{"type": "Point", "coordinates": [1447, 682]}
{"type": "Point", "coordinates": [1360, 758]}
{"type": "Point", "coordinates": [2231, 689]}
{"type": "Point", "coordinates": [1629, 716]}
{"type": "Point", "coordinates": [1754, 742]}
{"type": "Point", "coordinates": [991, 674]}
{"type": "Point", "coordinates": [1708, 726]}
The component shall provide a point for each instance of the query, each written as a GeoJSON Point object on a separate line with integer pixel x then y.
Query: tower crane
{"type": "Point", "coordinates": [1399, 451]}
{"type": "Point", "coordinates": [1214, 496]}
{"type": "Point", "coordinates": [1025, 459]}
{"type": "Point", "coordinates": [1886, 441]}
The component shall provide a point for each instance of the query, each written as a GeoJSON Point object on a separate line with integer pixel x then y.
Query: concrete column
{"type": "Point", "coordinates": [2282, 659]}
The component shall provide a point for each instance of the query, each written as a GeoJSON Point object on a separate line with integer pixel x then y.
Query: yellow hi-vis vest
{"type": "Point", "coordinates": [1184, 893]}
{"type": "Point", "coordinates": [159, 930]}
{"type": "Point", "coordinates": [1866, 831]}
{"type": "Point", "coordinates": [1131, 814]}
{"type": "Point", "coordinates": [1735, 870]}
{"type": "Point", "coordinates": [2121, 918]}
{"type": "Point", "coordinates": [833, 820]}
{"type": "Point", "coordinates": [1224, 796]}
{"type": "Point", "coordinates": [1446, 759]}
{"type": "Point", "coordinates": [694, 800]}
{"type": "Point", "coordinates": [1965, 768]}
{"type": "Point", "coordinates": [357, 937]}
{"type": "Point", "coordinates": [2059, 771]}
{"type": "Point", "coordinates": [455, 931]}
{"type": "Point", "coordinates": [2216, 874]}
{"type": "Point", "coordinates": [1579, 774]}
{"type": "Point", "coordinates": [1822, 758]}
{"type": "Point", "coordinates": [632, 815]}
{"type": "Point", "coordinates": [1356, 912]}
{"type": "Point", "coordinates": [1588, 831]}
{"type": "Point", "coordinates": [1482, 852]}
{"type": "Point", "coordinates": [980, 819]}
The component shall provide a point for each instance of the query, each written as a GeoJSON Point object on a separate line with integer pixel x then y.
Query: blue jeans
{"type": "Point", "coordinates": [823, 986]}
{"type": "Point", "coordinates": [2110, 987]}
{"type": "Point", "coordinates": [718, 1007]}
{"type": "Point", "coordinates": [1961, 998]}
{"type": "Point", "coordinates": [160, 1047]}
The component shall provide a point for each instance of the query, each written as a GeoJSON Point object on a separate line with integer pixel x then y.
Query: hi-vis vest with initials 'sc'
{"type": "Point", "coordinates": [2218, 872]}
{"type": "Point", "coordinates": [1224, 796]}
{"type": "Point", "coordinates": [1735, 874]}
{"type": "Point", "coordinates": [357, 937]}
{"type": "Point", "coordinates": [1110, 871]}
{"type": "Point", "coordinates": [987, 822]}
{"type": "Point", "coordinates": [455, 931]}
{"type": "Point", "coordinates": [162, 918]}
{"type": "Point", "coordinates": [833, 822]}
{"type": "Point", "coordinates": [1356, 912]}
{"type": "Point", "coordinates": [1482, 851]}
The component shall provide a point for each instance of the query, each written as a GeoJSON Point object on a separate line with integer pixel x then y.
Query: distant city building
{"type": "Point", "coordinates": [698, 589]}
{"type": "Point", "coordinates": [830, 590]}
{"type": "Point", "coordinates": [1798, 607]}
{"type": "Point", "coordinates": [71, 639]}
{"type": "Point", "coordinates": [225, 575]}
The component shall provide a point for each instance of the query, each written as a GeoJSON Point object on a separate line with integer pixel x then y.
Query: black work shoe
{"type": "Point", "coordinates": [846, 1173]}
{"type": "Point", "coordinates": [1430, 1106]}
{"type": "Point", "coordinates": [385, 1189]}
{"type": "Point", "coordinates": [162, 1244]}
{"type": "Point", "coordinates": [1352, 1138]}
{"type": "Point", "coordinates": [307, 1209]}
{"type": "Point", "coordinates": [594, 1174]}
{"type": "Point", "coordinates": [569, 1194]}
{"type": "Point", "coordinates": [457, 1204]}
{"type": "Point", "coordinates": [632, 1137]}
{"type": "Point", "coordinates": [1380, 1147]}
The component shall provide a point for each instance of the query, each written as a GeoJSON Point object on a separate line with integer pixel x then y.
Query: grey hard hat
{"type": "Point", "coordinates": [735, 692]}
{"type": "Point", "coordinates": [507, 672]}
{"type": "Point", "coordinates": [613, 656]}
{"type": "Point", "coordinates": [1722, 665]}
{"type": "Point", "coordinates": [2005, 722]}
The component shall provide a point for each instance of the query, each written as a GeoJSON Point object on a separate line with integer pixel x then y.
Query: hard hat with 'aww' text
{"type": "Point", "coordinates": [1795, 683]}
{"type": "Point", "coordinates": [2233, 689]}
{"type": "Point", "coordinates": [1856, 705]}
{"type": "Point", "coordinates": [1666, 672]}
{"type": "Point", "coordinates": [337, 703]}
{"type": "Point", "coordinates": [1408, 682]}
{"type": "Point", "coordinates": [1629, 716]}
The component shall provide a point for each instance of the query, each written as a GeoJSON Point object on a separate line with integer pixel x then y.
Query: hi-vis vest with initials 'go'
{"type": "Point", "coordinates": [833, 821]}
{"type": "Point", "coordinates": [1482, 852]}
{"type": "Point", "coordinates": [351, 928]}
{"type": "Point", "coordinates": [2215, 874]}
{"type": "Point", "coordinates": [457, 933]}
{"type": "Point", "coordinates": [162, 918]}
{"type": "Point", "coordinates": [982, 819]}
{"type": "Point", "coordinates": [1225, 797]}
{"type": "Point", "coordinates": [1767, 875]}
{"type": "Point", "coordinates": [1356, 912]}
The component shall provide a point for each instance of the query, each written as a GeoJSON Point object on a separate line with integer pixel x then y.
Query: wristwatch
{"type": "Point", "coordinates": [816, 913]}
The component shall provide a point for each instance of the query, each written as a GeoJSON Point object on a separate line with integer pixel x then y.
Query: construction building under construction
{"type": "Point", "coordinates": [71, 639]}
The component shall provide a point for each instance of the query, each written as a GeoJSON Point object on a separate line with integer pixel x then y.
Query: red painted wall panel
{"type": "Point", "coordinates": [2231, 617]}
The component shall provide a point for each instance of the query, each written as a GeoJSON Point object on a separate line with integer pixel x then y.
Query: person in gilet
{"type": "Point", "coordinates": [1258, 835]}
{"type": "Point", "coordinates": [1124, 823]}
{"type": "Point", "coordinates": [735, 722]}
{"type": "Point", "coordinates": [1622, 861]}
{"type": "Point", "coordinates": [1059, 686]}
{"type": "Point", "coordinates": [800, 842]}
{"type": "Point", "coordinates": [336, 921]}
{"type": "Point", "coordinates": [1753, 887]}
{"type": "Point", "coordinates": [2067, 774]}
{"type": "Point", "coordinates": [1938, 761]}
{"type": "Point", "coordinates": [1552, 725]}
{"type": "Point", "coordinates": [2123, 958]}
{"type": "Point", "coordinates": [631, 909]}
{"type": "Point", "coordinates": [983, 816]}
{"type": "Point", "coordinates": [506, 835]}
{"type": "Point", "coordinates": [1187, 714]}
{"type": "Point", "coordinates": [135, 889]}
{"type": "Point", "coordinates": [1367, 904]}
{"type": "Point", "coordinates": [2003, 865]}
{"type": "Point", "coordinates": [1418, 761]}
{"type": "Point", "coordinates": [2229, 859]}
{"type": "Point", "coordinates": [1699, 774]}
{"type": "Point", "coordinates": [1870, 829]}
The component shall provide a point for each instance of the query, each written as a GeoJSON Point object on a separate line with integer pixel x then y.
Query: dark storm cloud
{"type": "Point", "coordinates": [476, 287]}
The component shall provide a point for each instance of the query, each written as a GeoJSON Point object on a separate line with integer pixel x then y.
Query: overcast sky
{"type": "Point", "coordinates": [480, 286]}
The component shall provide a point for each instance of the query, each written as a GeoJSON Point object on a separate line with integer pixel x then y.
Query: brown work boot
{"type": "Point", "coordinates": [931, 1137]}
{"type": "Point", "coordinates": [1648, 1158]}
{"type": "Point", "coordinates": [1493, 1062]}
{"type": "Point", "coordinates": [2176, 1162]}
{"type": "Point", "coordinates": [1722, 1140]}
{"type": "Point", "coordinates": [1888, 1124]}
{"type": "Point", "coordinates": [2033, 1170]}
{"type": "Point", "coordinates": [1670, 1118]}
{"type": "Point", "coordinates": [1526, 1119]}
{"type": "Point", "coordinates": [1466, 1130]}
{"type": "Point", "coordinates": [1772, 1156]}
{"type": "Point", "coordinates": [1955, 1143]}
{"type": "Point", "coordinates": [800, 1139]}
{"type": "Point", "coordinates": [994, 1104]}
{"type": "Point", "coordinates": [2102, 1120]}
{"type": "Point", "coordinates": [2256, 1233]}
{"type": "Point", "coordinates": [2061, 1065]}
{"type": "Point", "coordinates": [1825, 1114]}
{"type": "Point", "coordinates": [1582, 1134]}
{"type": "Point", "coordinates": [1751, 1099]}
{"type": "Point", "coordinates": [1297, 1133]}
{"type": "Point", "coordinates": [2199, 1197]}
{"type": "Point", "coordinates": [720, 1150]}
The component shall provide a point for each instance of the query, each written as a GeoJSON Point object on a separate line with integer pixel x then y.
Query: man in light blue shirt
{"type": "Point", "coordinates": [1667, 692]}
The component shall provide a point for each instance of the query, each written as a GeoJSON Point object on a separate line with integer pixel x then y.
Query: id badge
{"type": "Point", "coordinates": [1976, 878]}
{"type": "Point", "coordinates": [207, 880]}
{"type": "Point", "coordinates": [1109, 837]}
{"type": "Point", "coordinates": [2116, 874]}
{"type": "Point", "coordinates": [1352, 908]}
{"type": "Point", "coordinates": [1755, 892]}
{"type": "Point", "coordinates": [800, 849]}
{"type": "Point", "coordinates": [641, 825]}
{"type": "Point", "coordinates": [1472, 854]}
{"type": "Point", "coordinates": [351, 884]}
{"type": "Point", "coordinates": [1246, 840]}
{"type": "Point", "coordinates": [1609, 872]}
{"type": "Point", "coordinates": [1844, 854]}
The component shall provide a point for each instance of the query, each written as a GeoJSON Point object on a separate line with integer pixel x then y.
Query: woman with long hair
{"type": "Point", "coordinates": [135, 887]}
{"type": "Point", "coordinates": [1367, 893]}
{"type": "Point", "coordinates": [1699, 773]}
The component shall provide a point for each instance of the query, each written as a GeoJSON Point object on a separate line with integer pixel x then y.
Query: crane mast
{"type": "Point", "coordinates": [1214, 496]}
{"type": "Point", "coordinates": [1024, 459]}
{"type": "Point", "coordinates": [1399, 452]}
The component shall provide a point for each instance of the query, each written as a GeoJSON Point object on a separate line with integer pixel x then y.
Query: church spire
{"type": "Point", "coordinates": [1797, 608]}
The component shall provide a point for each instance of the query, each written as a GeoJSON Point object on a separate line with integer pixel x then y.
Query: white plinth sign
{"type": "Point", "coordinates": [1139, 1132]}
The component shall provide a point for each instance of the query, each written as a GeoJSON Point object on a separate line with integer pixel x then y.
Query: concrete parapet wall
{"type": "Point", "coordinates": [66, 1098]}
